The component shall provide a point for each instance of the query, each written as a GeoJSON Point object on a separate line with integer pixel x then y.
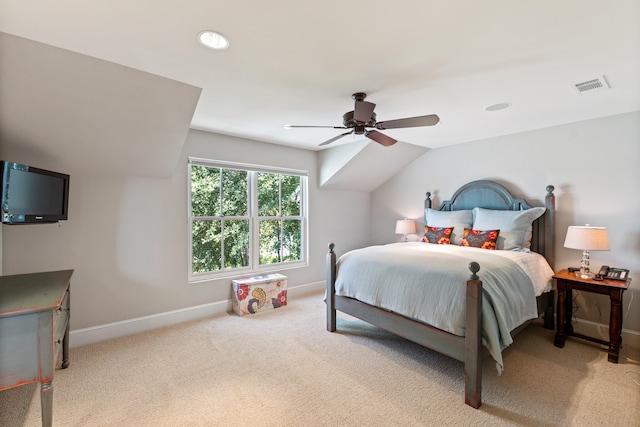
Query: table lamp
{"type": "Point", "coordinates": [405, 226]}
{"type": "Point", "coordinates": [588, 239]}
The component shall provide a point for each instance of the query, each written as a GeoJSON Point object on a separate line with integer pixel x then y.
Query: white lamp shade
{"type": "Point", "coordinates": [405, 226]}
{"type": "Point", "coordinates": [587, 238]}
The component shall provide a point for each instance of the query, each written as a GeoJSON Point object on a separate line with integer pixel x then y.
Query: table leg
{"type": "Point", "coordinates": [561, 315]}
{"type": "Point", "coordinates": [46, 403]}
{"type": "Point", "coordinates": [65, 340]}
{"type": "Point", "coordinates": [65, 348]}
{"type": "Point", "coordinates": [615, 325]}
{"type": "Point", "coordinates": [568, 313]}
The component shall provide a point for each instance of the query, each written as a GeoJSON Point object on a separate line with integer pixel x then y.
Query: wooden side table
{"type": "Point", "coordinates": [567, 281]}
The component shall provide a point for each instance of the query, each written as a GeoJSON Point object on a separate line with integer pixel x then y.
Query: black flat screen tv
{"type": "Point", "coordinates": [31, 195]}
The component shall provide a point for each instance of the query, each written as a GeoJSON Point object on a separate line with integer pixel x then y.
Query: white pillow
{"type": "Point", "coordinates": [459, 220]}
{"type": "Point", "coordinates": [515, 226]}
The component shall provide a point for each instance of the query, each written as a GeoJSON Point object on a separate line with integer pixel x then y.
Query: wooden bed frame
{"type": "Point", "coordinates": [467, 349]}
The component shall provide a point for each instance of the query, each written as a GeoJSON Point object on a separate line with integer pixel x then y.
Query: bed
{"type": "Point", "coordinates": [424, 292]}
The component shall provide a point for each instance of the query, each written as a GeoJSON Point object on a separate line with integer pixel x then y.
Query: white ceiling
{"type": "Point", "coordinates": [295, 62]}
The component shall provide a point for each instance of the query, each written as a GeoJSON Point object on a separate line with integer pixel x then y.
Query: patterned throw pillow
{"type": "Point", "coordinates": [485, 239]}
{"type": "Point", "coordinates": [438, 235]}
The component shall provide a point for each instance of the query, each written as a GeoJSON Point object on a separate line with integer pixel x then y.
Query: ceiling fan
{"type": "Point", "coordinates": [363, 118]}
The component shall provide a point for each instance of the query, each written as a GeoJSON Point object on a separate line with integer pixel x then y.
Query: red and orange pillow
{"type": "Point", "coordinates": [437, 235]}
{"type": "Point", "coordinates": [485, 239]}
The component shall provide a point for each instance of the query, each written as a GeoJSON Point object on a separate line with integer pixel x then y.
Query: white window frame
{"type": "Point", "coordinates": [254, 238]}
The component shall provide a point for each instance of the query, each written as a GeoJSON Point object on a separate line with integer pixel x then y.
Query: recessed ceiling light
{"type": "Point", "coordinates": [213, 40]}
{"type": "Point", "coordinates": [497, 107]}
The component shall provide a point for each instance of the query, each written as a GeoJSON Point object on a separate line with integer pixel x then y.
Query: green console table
{"type": "Point", "coordinates": [34, 326]}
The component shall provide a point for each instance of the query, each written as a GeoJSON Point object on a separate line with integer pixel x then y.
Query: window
{"type": "Point", "coordinates": [245, 219]}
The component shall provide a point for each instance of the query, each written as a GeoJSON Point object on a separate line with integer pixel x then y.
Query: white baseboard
{"type": "Point", "coordinates": [108, 331]}
{"type": "Point", "coordinates": [601, 331]}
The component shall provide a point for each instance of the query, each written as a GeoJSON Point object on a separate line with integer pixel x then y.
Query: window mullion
{"type": "Point", "coordinates": [281, 231]}
{"type": "Point", "coordinates": [254, 225]}
{"type": "Point", "coordinates": [220, 200]}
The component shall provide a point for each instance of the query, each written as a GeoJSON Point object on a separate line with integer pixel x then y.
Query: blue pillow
{"type": "Point", "coordinates": [459, 220]}
{"type": "Point", "coordinates": [515, 226]}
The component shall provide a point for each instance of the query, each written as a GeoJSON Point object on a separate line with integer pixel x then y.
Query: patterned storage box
{"type": "Point", "coordinates": [259, 293]}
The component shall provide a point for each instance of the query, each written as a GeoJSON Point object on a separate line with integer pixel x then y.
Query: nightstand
{"type": "Point", "coordinates": [567, 281]}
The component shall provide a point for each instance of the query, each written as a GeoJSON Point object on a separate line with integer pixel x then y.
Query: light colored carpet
{"type": "Point", "coordinates": [282, 368]}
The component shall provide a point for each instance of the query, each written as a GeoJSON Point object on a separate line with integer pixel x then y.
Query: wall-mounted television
{"type": "Point", "coordinates": [31, 195]}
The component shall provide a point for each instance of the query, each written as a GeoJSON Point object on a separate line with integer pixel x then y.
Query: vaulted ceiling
{"type": "Point", "coordinates": [299, 63]}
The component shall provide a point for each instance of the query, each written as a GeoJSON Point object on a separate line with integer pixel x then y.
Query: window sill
{"type": "Point", "coordinates": [232, 275]}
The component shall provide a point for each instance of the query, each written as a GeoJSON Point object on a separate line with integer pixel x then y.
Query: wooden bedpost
{"type": "Point", "coordinates": [549, 226]}
{"type": "Point", "coordinates": [427, 201]}
{"type": "Point", "coordinates": [331, 289]}
{"type": "Point", "coordinates": [550, 253]}
{"type": "Point", "coordinates": [473, 339]}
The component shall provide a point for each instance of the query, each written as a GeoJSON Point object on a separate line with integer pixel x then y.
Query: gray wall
{"type": "Point", "coordinates": [593, 166]}
{"type": "Point", "coordinates": [126, 236]}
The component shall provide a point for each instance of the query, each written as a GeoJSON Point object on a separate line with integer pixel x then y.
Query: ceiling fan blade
{"type": "Point", "coordinates": [409, 122]}
{"type": "Point", "coordinates": [298, 126]}
{"type": "Point", "coordinates": [335, 138]}
{"type": "Point", "coordinates": [380, 138]}
{"type": "Point", "coordinates": [363, 111]}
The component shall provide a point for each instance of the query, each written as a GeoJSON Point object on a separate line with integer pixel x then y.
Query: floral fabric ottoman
{"type": "Point", "coordinates": [259, 293]}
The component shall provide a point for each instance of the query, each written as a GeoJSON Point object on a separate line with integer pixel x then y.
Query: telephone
{"type": "Point", "coordinates": [611, 273]}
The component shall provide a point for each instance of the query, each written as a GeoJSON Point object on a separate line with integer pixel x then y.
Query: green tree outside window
{"type": "Point", "coordinates": [221, 218]}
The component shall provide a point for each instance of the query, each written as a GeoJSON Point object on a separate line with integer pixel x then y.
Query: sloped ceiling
{"type": "Point", "coordinates": [90, 112]}
{"type": "Point", "coordinates": [364, 165]}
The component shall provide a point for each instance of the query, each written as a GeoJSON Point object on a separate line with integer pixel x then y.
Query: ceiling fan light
{"type": "Point", "coordinates": [213, 40]}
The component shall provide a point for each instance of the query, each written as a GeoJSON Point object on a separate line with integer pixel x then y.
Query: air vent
{"type": "Point", "coordinates": [591, 86]}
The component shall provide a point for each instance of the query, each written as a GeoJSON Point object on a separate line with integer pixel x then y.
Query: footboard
{"type": "Point", "coordinates": [467, 349]}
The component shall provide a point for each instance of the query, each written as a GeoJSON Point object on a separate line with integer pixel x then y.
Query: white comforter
{"type": "Point", "coordinates": [427, 282]}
